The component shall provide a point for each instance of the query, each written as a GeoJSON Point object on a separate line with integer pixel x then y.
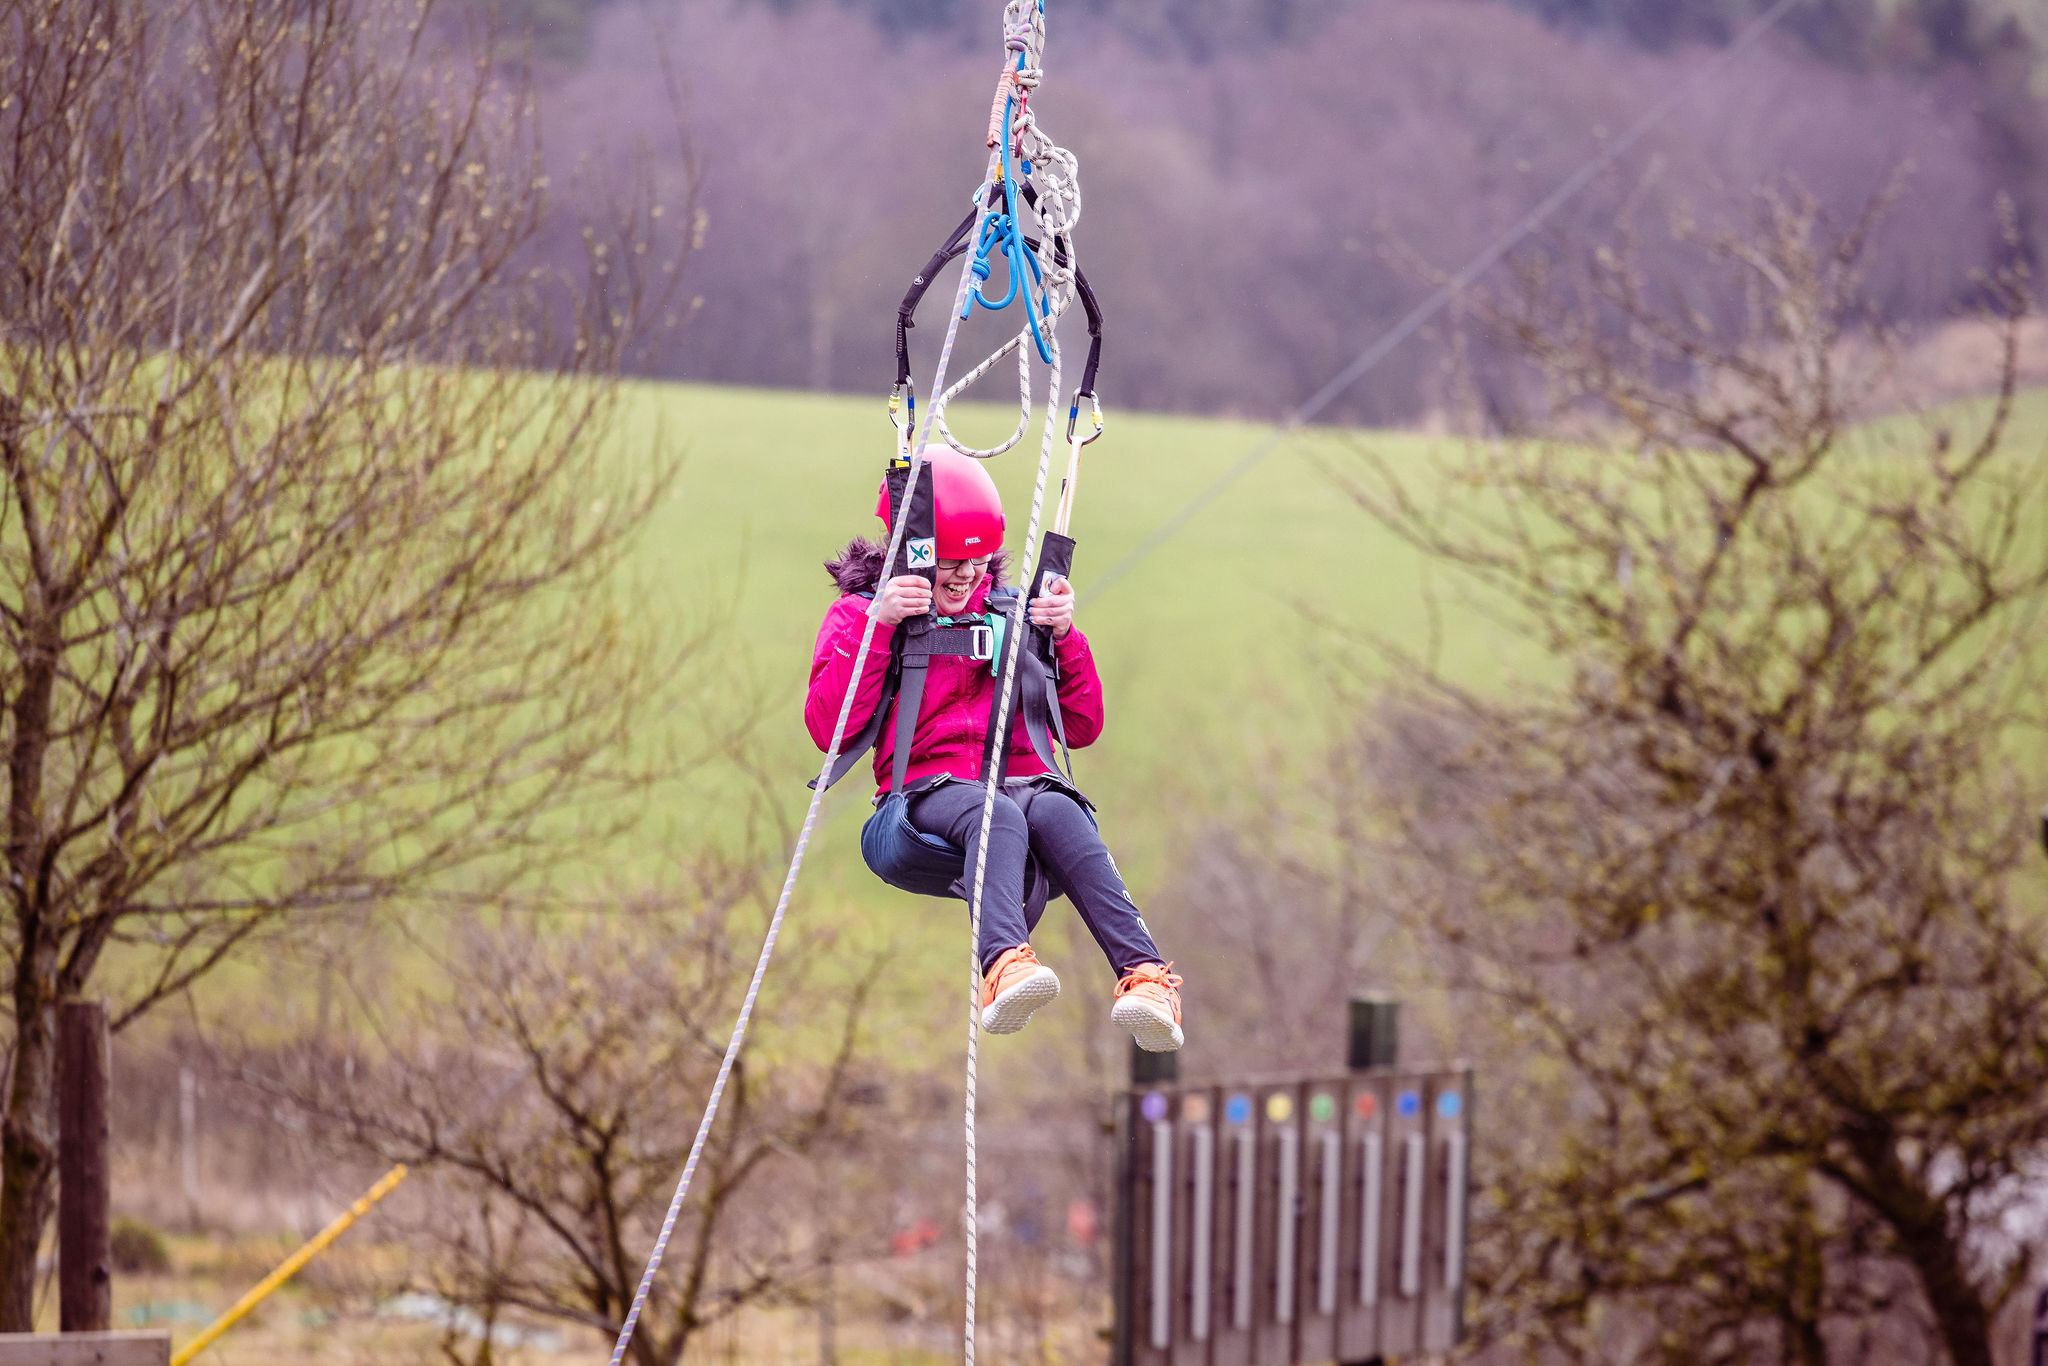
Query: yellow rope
{"type": "Point", "coordinates": [291, 1265]}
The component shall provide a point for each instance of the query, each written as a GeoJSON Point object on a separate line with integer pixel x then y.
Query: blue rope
{"type": "Point", "coordinates": [999, 229]}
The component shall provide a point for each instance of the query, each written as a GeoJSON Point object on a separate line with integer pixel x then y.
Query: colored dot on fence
{"type": "Point", "coordinates": [1322, 1107]}
{"type": "Point", "coordinates": [1238, 1109]}
{"type": "Point", "coordinates": [1448, 1104]}
{"type": "Point", "coordinates": [1195, 1109]}
{"type": "Point", "coordinates": [1153, 1107]}
{"type": "Point", "coordinates": [1365, 1105]}
{"type": "Point", "coordinates": [1410, 1104]}
{"type": "Point", "coordinates": [1279, 1107]}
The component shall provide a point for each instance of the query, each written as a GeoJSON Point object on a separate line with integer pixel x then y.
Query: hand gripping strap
{"type": "Point", "coordinates": [917, 553]}
{"type": "Point", "coordinates": [920, 638]}
{"type": "Point", "coordinates": [912, 636]}
{"type": "Point", "coordinates": [1037, 699]}
{"type": "Point", "coordinates": [1055, 559]}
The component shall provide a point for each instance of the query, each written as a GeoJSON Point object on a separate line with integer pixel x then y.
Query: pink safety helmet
{"type": "Point", "coordinates": [970, 511]}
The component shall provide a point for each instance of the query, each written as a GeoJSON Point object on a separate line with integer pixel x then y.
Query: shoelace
{"type": "Point", "coordinates": [1152, 973]}
{"type": "Point", "coordinates": [1025, 954]}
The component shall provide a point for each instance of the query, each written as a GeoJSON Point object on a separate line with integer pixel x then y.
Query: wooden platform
{"type": "Point", "coordinates": [85, 1349]}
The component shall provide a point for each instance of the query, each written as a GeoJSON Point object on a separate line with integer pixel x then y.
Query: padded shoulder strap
{"type": "Point", "coordinates": [909, 701]}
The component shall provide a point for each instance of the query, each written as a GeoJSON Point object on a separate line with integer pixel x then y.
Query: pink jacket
{"type": "Point", "coordinates": [952, 723]}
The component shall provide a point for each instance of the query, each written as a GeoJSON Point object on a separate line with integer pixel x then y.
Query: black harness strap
{"type": "Point", "coordinates": [1038, 694]}
{"type": "Point", "coordinates": [857, 747]}
{"type": "Point", "coordinates": [911, 654]}
{"type": "Point", "coordinates": [957, 243]}
{"type": "Point", "coordinates": [1037, 700]}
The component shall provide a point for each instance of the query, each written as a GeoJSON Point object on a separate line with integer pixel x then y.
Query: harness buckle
{"type": "Point", "coordinates": [983, 639]}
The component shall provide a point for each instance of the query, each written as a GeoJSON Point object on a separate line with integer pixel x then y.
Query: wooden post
{"type": "Point", "coordinates": [188, 1142]}
{"type": "Point", "coordinates": [1153, 1069]}
{"type": "Point", "coordinates": [1373, 1039]}
{"type": "Point", "coordinates": [85, 1283]}
{"type": "Point", "coordinates": [1123, 1341]}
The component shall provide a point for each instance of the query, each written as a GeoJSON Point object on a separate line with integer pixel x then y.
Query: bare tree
{"type": "Point", "coordinates": [302, 561]}
{"type": "Point", "coordinates": [549, 1090]}
{"type": "Point", "coordinates": [1747, 872]}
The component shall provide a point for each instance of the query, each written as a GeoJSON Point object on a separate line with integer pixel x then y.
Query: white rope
{"type": "Point", "coordinates": [1055, 176]}
{"type": "Point", "coordinates": [796, 863]}
{"type": "Point", "coordinates": [1055, 180]}
{"type": "Point", "coordinates": [1015, 639]}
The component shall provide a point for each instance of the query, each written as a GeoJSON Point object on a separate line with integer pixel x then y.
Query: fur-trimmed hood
{"type": "Point", "coordinates": [858, 568]}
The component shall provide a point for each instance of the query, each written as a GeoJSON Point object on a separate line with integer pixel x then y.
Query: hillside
{"type": "Point", "coordinates": [1258, 191]}
{"type": "Point", "coordinates": [1220, 652]}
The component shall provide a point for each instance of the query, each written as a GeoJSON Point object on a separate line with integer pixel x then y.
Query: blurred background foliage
{"type": "Point", "coordinates": [1269, 181]}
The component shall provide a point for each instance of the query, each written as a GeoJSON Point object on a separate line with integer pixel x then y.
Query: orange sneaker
{"type": "Point", "coordinates": [1017, 985]}
{"type": "Point", "coordinates": [1148, 1004]}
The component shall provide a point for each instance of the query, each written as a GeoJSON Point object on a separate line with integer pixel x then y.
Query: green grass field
{"type": "Point", "coordinates": [1212, 656]}
{"type": "Point", "coordinates": [1218, 652]}
{"type": "Point", "coordinates": [1225, 654]}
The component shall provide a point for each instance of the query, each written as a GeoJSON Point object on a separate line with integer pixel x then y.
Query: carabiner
{"type": "Point", "coordinates": [1074, 414]}
{"type": "Point", "coordinates": [903, 417]}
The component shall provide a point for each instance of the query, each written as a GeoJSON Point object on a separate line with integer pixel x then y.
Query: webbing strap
{"type": "Point", "coordinates": [768, 941]}
{"type": "Point", "coordinates": [1040, 708]}
{"type": "Point", "coordinates": [1037, 703]}
{"type": "Point", "coordinates": [906, 311]}
{"type": "Point", "coordinates": [956, 642]}
{"type": "Point", "coordinates": [909, 699]}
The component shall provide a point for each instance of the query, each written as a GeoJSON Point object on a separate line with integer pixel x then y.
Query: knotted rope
{"type": "Point", "coordinates": [796, 863]}
{"type": "Point", "coordinates": [1027, 157]}
{"type": "Point", "coordinates": [1018, 146]}
{"type": "Point", "coordinates": [1053, 174]}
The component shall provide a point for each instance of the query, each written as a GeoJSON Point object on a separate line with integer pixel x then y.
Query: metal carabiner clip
{"type": "Point", "coordinates": [1074, 415]}
{"type": "Point", "coordinates": [903, 416]}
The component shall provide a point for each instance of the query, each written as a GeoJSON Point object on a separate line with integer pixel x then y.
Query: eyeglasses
{"type": "Point", "coordinates": [948, 566]}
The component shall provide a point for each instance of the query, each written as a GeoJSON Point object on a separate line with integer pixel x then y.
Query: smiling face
{"type": "Point", "coordinates": [957, 581]}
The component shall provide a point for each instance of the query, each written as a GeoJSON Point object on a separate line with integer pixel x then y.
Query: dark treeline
{"type": "Point", "coordinates": [1868, 34]}
{"type": "Point", "coordinates": [1272, 187]}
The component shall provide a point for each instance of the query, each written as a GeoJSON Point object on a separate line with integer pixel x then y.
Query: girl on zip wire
{"type": "Point", "coordinates": [1043, 840]}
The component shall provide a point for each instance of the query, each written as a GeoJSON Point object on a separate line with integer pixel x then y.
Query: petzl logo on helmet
{"type": "Point", "coordinates": [921, 554]}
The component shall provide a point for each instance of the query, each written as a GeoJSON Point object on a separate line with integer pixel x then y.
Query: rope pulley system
{"type": "Point", "coordinates": [1043, 275]}
{"type": "Point", "coordinates": [1030, 174]}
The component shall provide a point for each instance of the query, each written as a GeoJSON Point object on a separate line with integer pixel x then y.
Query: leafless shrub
{"type": "Point", "coordinates": [307, 589]}
{"type": "Point", "coordinates": [1746, 884]}
{"type": "Point", "coordinates": [548, 1087]}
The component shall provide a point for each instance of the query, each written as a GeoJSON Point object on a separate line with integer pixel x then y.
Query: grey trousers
{"type": "Point", "coordinates": [1042, 821]}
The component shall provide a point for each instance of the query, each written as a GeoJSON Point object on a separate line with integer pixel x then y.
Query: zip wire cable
{"type": "Point", "coordinates": [1444, 293]}
{"type": "Point", "coordinates": [796, 863]}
